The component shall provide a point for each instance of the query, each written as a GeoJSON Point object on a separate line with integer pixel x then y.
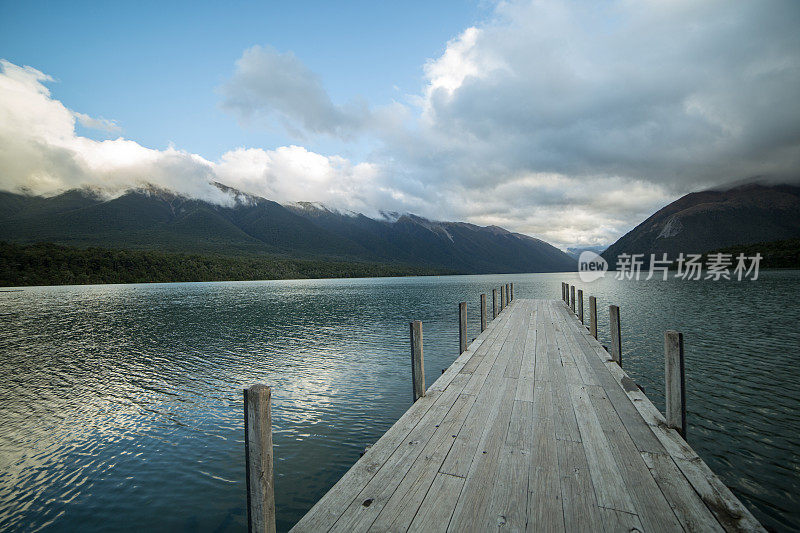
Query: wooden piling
{"type": "Point", "coordinates": [593, 316]}
{"type": "Point", "coordinates": [675, 389]}
{"type": "Point", "coordinates": [572, 298]}
{"type": "Point", "coordinates": [494, 304]}
{"type": "Point", "coordinates": [616, 337]}
{"type": "Point", "coordinates": [483, 313]}
{"type": "Point", "coordinates": [508, 295]}
{"type": "Point", "coordinates": [462, 327]}
{"type": "Point", "coordinates": [566, 293]}
{"type": "Point", "coordinates": [512, 291]}
{"type": "Point", "coordinates": [258, 458]}
{"type": "Point", "coordinates": [502, 298]}
{"type": "Point", "coordinates": [417, 364]}
{"type": "Point", "coordinates": [580, 305]}
{"type": "Point", "coordinates": [562, 290]}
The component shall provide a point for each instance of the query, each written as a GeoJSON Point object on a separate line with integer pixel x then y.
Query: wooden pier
{"type": "Point", "coordinates": [534, 427]}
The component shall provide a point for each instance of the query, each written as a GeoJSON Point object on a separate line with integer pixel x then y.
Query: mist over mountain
{"type": "Point", "coordinates": [155, 219]}
{"type": "Point", "coordinates": [708, 220]}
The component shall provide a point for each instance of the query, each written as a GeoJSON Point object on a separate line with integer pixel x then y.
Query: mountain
{"type": "Point", "coordinates": [152, 219]}
{"type": "Point", "coordinates": [455, 245]}
{"type": "Point", "coordinates": [704, 221]}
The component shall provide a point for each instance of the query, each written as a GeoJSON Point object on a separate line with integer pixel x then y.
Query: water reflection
{"type": "Point", "coordinates": [121, 405]}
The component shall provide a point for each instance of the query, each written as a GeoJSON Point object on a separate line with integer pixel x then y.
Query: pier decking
{"type": "Point", "coordinates": [532, 428]}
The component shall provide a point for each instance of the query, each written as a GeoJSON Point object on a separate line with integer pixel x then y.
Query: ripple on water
{"type": "Point", "coordinates": [122, 404]}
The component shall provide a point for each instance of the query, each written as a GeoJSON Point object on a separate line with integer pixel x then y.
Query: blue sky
{"type": "Point", "coordinates": [154, 67]}
{"type": "Point", "coordinates": [568, 120]}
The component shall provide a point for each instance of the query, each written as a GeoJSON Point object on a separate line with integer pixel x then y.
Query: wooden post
{"type": "Point", "coordinates": [258, 456]}
{"type": "Point", "coordinates": [483, 313]}
{"type": "Point", "coordinates": [580, 305]}
{"type": "Point", "coordinates": [616, 337]}
{"type": "Point", "coordinates": [494, 304]}
{"type": "Point", "coordinates": [502, 298]}
{"type": "Point", "coordinates": [566, 293]}
{"type": "Point", "coordinates": [562, 290]}
{"type": "Point", "coordinates": [417, 364]}
{"type": "Point", "coordinates": [512, 292]}
{"type": "Point", "coordinates": [508, 295]}
{"type": "Point", "coordinates": [675, 381]}
{"type": "Point", "coordinates": [593, 316]}
{"type": "Point", "coordinates": [462, 327]}
{"type": "Point", "coordinates": [572, 298]}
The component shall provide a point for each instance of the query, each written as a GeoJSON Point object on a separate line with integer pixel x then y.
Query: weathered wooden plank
{"type": "Point", "coordinates": [399, 511]}
{"type": "Point", "coordinates": [621, 522]}
{"type": "Point", "coordinates": [518, 350]}
{"type": "Point", "coordinates": [370, 501]}
{"type": "Point", "coordinates": [571, 352]}
{"type": "Point", "coordinates": [498, 329]}
{"type": "Point", "coordinates": [494, 361]}
{"type": "Point", "coordinates": [566, 425]}
{"type": "Point", "coordinates": [542, 372]}
{"type": "Point", "coordinates": [460, 456]}
{"type": "Point", "coordinates": [609, 486]}
{"type": "Point", "coordinates": [436, 510]}
{"type": "Point", "coordinates": [686, 504]}
{"type": "Point", "coordinates": [542, 399]}
{"type": "Point", "coordinates": [473, 502]}
{"type": "Point", "coordinates": [581, 512]}
{"type": "Point", "coordinates": [527, 371]}
{"type": "Point", "coordinates": [508, 503]}
{"type": "Point", "coordinates": [596, 356]}
{"type": "Point", "coordinates": [649, 502]}
{"type": "Point", "coordinates": [545, 511]}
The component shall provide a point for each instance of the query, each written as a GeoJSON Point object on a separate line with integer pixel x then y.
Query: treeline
{"type": "Point", "coordinates": [774, 254]}
{"type": "Point", "coordinates": [51, 264]}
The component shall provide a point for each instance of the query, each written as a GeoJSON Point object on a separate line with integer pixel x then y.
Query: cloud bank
{"type": "Point", "coordinates": [570, 121]}
{"type": "Point", "coordinates": [41, 153]}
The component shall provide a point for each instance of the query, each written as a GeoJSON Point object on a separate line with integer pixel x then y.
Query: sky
{"type": "Point", "coordinates": [570, 121]}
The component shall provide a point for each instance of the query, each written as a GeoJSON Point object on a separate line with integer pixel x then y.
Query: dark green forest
{"type": "Point", "coordinates": [775, 254]}
{"type": "Point", "coordinates": [51, 264]}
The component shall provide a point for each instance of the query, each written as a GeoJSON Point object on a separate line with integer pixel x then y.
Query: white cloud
{"type": "Point", "coordinates": [41, 153]}
{"type": "Point", "coordinates": [100, 123]}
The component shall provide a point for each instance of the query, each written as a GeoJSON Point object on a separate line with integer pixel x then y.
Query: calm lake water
{"type": "Point", "coordinates": [121, 405]}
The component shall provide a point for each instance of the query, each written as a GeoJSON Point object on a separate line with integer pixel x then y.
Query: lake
{"type": "Point", "coordinates": [121, 405]}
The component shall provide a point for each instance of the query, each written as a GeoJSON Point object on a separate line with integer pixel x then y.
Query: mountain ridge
{"type": "Point", "coordinates": [156, 219]}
